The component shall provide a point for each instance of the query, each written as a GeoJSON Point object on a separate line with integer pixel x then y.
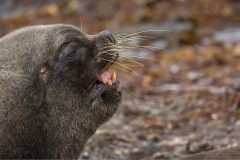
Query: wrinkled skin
{"type": "Point", "coordinates": [51, 102]}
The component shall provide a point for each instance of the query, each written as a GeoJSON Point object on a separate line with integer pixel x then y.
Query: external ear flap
{"type": "Point", "coordinates": [45, 72]}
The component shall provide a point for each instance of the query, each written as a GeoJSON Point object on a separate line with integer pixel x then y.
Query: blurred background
{"type": "Point", "coordinates": [185, 98]}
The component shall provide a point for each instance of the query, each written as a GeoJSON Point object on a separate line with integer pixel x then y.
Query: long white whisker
{"type": "Point", "coordinates": [135, 73]}
{"type": "Point", "coordinates": [136, 33]}
{"type": "Point", "coordinates": [141, 47]}
{"type": "Point", "coordinates": [136, 63]}
{"type": "Point", "coordinates": [126, 39]}
{"type": "Point", "coordinates": [125, 70]}
{"type": "Point", "coordinates": [148, 58]}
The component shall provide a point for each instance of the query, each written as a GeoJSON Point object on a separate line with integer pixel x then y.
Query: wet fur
{"type": "Point", "coordinates": [41, 120]}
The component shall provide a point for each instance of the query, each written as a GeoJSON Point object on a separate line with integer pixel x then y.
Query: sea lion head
{"type": "Point", "coordinates": [74, 55]}
{"type": "Point", "coordinates": [54, 78]}
{"type": "Point", "coordinates": [82, 58]}
{"type": "Point", "coordinates": [80, 62]}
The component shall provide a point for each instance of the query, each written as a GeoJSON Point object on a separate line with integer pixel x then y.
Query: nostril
{"type": "Point", "coordinates": [109, 36]}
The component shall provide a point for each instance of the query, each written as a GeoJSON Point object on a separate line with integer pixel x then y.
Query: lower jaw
{"type": "Point", "coordinates": [103, 93]}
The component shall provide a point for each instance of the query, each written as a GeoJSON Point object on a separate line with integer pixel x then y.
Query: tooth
{"type": "Point", "coordinates": [110, 82]}
{"type": "Point", "coordinates": [114, 77]}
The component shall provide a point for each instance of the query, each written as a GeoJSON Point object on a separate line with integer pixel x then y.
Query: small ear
{"type": "Point", "coordinates": [45, 72]}
{"type": "Point", "coordinates": [44, 69]}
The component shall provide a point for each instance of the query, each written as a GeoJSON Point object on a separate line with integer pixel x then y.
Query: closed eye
{"type": "Point", "coordinates": [71, 55]}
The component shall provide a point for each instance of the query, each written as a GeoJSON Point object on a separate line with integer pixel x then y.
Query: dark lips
{"type": "Point", "coordinates": [99, 88]}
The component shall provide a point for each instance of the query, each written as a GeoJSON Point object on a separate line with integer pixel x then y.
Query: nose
{"type": "Point", "coordinates": [109, 36]}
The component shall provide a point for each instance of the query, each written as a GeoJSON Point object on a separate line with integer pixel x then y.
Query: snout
{"type": "Point", "coordinates": [108, 36]}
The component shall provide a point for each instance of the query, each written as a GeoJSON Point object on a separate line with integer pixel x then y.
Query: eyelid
{"type": "Point", "coordinates": [67, 49]}
{"type": "Point", "coordinates": [69, 46]}
{"type": "Point", "coordinates": [70, 57]}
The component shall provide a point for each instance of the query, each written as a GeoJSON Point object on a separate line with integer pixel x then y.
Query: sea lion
{"type": "Point", "coordinates": [53, 92]}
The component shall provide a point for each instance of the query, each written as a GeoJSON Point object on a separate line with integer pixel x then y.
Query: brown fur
{"type": "Point", "coordinates": [43, 119]}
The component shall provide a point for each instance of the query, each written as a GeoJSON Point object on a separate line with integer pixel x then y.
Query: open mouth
{"type": "Point", "coordinates": [105, 81]}
{"type": "Point", "coordinates": [107, 78]}
{"type": "Point", "coordinates": [106, 86]}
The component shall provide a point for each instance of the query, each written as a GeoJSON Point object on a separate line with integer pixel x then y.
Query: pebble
{"type": "Point", "coordinates": [85, 155]}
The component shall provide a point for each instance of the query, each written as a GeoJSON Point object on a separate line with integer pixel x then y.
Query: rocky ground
{"type": "Point", "coordinates": [185, 99]}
